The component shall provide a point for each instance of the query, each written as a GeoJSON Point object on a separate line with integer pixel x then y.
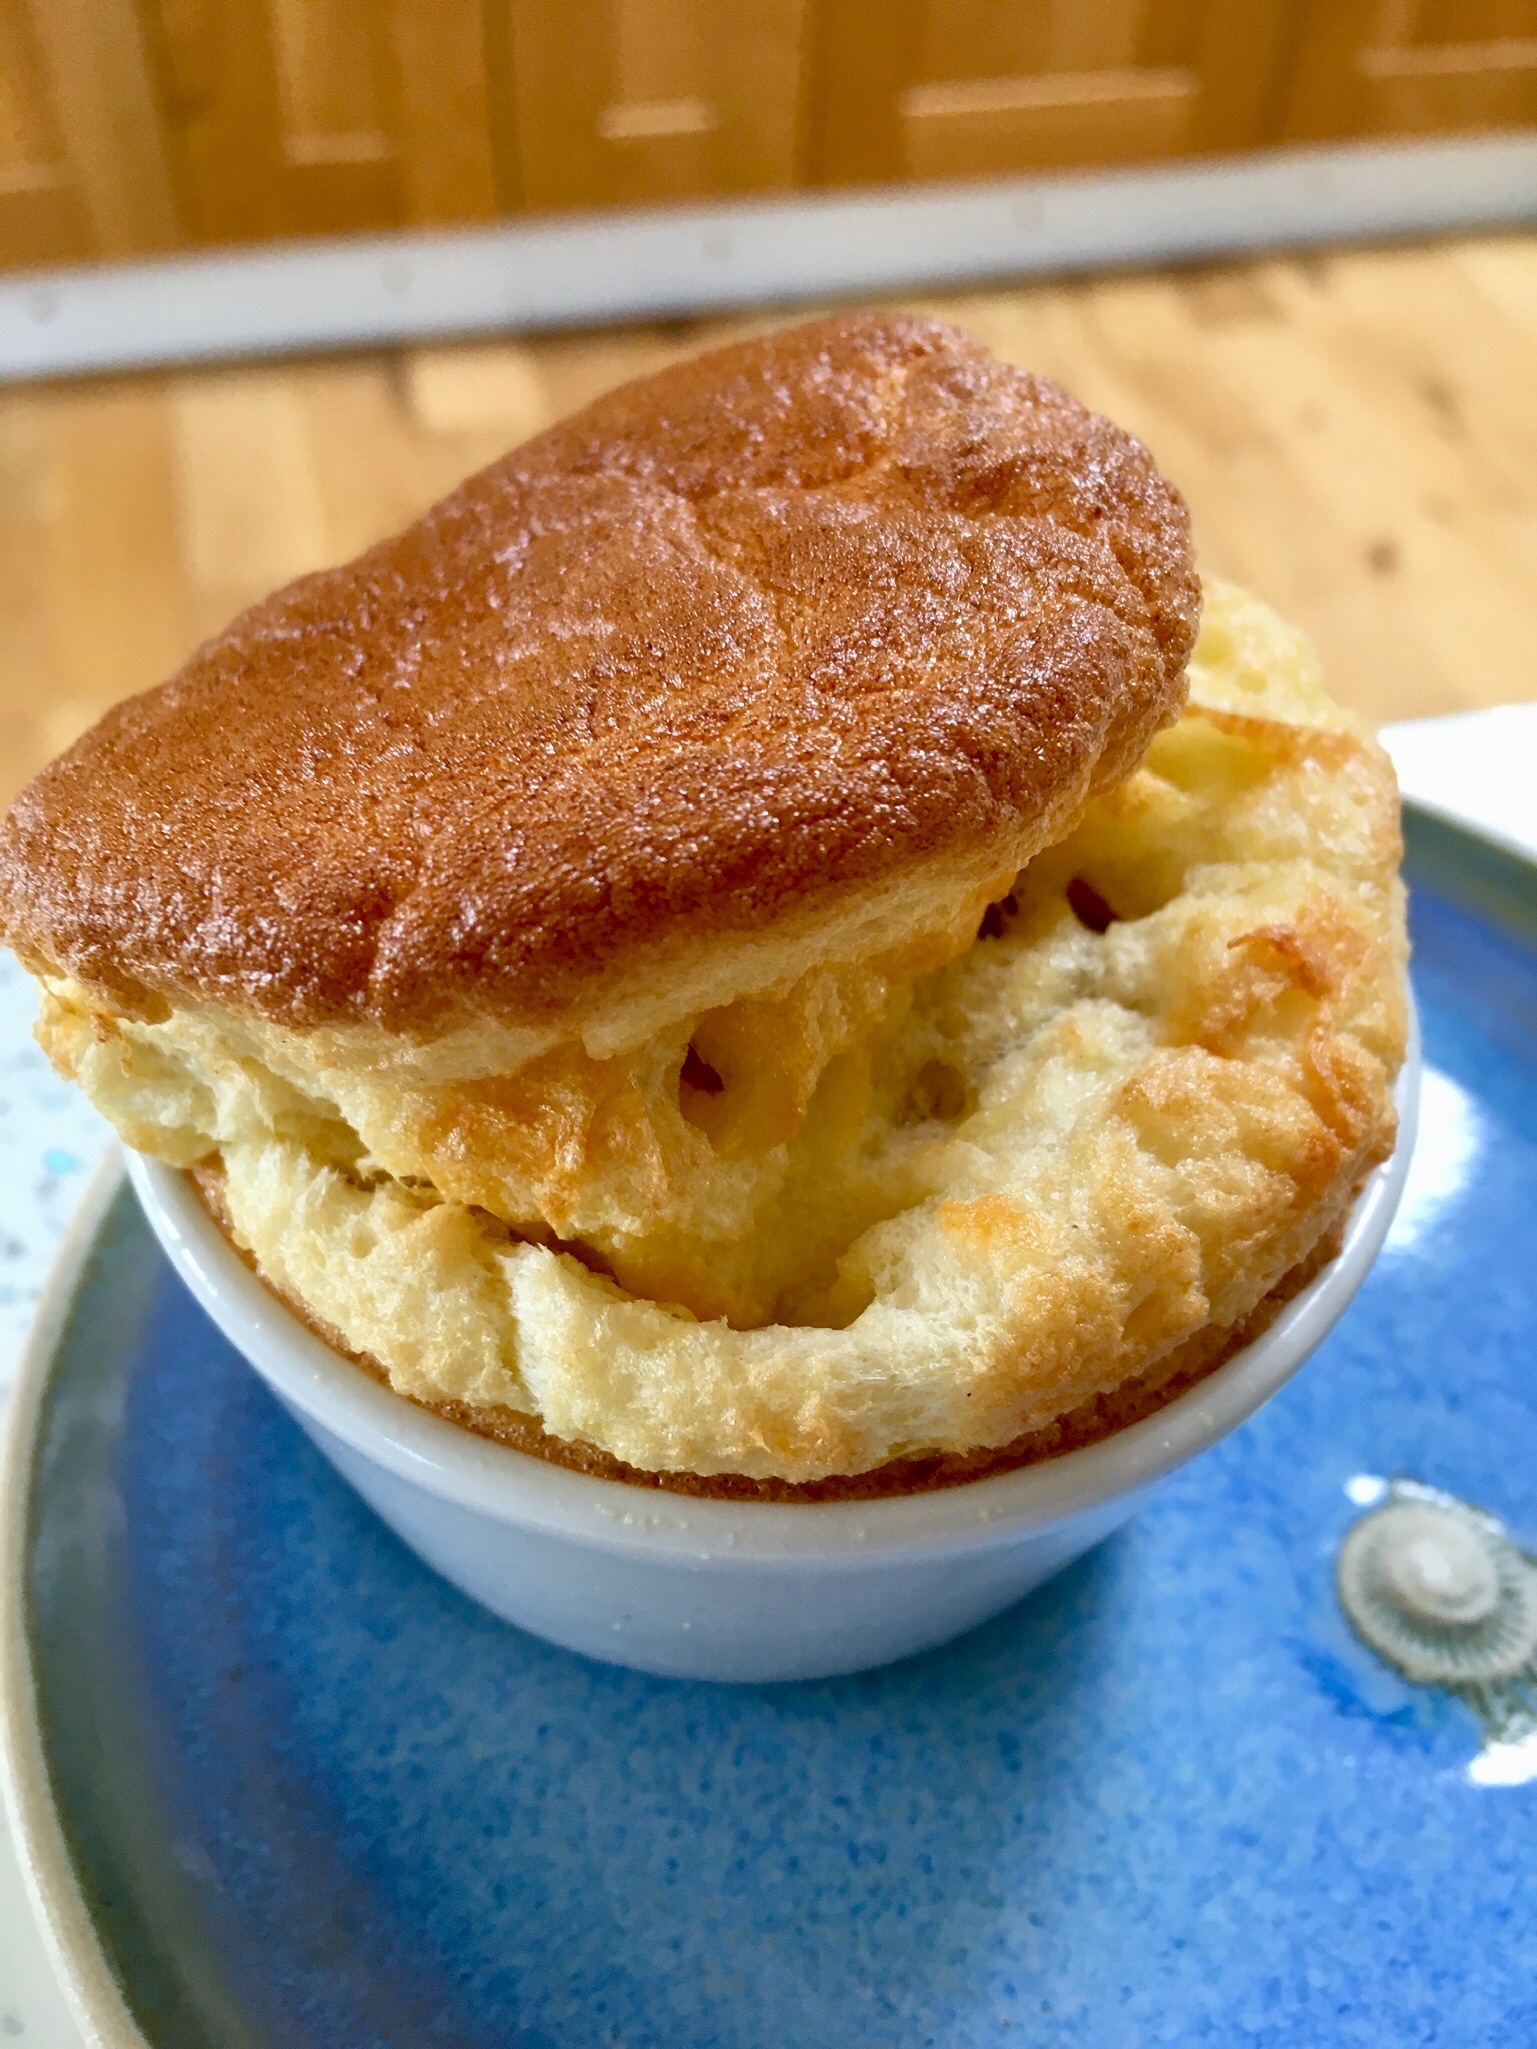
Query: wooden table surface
{"type": "Point", "coordinates": [1356, 434]}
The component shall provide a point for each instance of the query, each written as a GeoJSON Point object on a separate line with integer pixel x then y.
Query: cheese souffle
{"type": "Point", "coordinates": [727, 956]}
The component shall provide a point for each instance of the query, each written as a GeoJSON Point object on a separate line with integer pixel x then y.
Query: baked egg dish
{"type": "Point", "coordinates": [775, 942]}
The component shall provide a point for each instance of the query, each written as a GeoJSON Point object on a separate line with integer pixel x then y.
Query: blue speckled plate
{"type": "Point", "coordinates": [288, 1788]}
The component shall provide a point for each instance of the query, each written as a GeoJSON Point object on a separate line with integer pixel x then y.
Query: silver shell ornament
{"type": "Point", "coordinates": [1441, 1592]}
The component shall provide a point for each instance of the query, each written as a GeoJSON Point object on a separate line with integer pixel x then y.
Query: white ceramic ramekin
{"type": "Point", "coordinates": [735, 1590]}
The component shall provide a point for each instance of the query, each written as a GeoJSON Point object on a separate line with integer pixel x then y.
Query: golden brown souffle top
{"type": "Point", "coordinates": [774, 623]}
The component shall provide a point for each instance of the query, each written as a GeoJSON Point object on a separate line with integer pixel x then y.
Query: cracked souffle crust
{"type": "Point", "coordinates": [771, 636]}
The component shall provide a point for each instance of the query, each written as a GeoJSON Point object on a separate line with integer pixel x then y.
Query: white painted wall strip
{"type": "Point", "coordinates": [578, 270]}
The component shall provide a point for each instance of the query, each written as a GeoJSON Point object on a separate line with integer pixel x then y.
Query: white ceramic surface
{"type": "Point", "coordinates": [734, 1590]}
{"type": "Point", "coordinates": [1473, 767]}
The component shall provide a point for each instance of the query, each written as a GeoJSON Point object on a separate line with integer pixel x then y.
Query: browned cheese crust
{"type": "Point", "coordinates": [758, 634]}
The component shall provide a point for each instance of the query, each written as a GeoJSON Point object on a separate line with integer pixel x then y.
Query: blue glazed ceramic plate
{"type": "Point", "coordinates": [281, 1786]}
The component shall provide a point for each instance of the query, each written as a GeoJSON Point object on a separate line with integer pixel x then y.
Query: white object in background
{"type": "Point", "coordinates": [735, 1590]}
{"type": "Point", "coordinates": [1477, 768]}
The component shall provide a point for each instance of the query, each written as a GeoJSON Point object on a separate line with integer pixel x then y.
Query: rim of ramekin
{"type": "Point", "coordinates": [518, 1487]}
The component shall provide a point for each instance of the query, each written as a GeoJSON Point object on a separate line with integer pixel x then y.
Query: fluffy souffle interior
{"type": "Point", "coordinates": [883, 1209]}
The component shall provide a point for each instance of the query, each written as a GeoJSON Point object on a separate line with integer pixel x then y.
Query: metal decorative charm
{"type": "Point", "coordinates": [1441, 1593]}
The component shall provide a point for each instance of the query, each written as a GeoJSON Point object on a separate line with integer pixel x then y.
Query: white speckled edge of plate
{"type": "Point", "coordinates": [63, 1919]}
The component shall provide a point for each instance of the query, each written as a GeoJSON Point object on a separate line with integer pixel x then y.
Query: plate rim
{"type": "Point", "coordinates": [64, 1923]}
{"type": "Point", "coordinates": [66, 1928]}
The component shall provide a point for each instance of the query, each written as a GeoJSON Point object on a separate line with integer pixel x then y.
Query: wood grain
{"type": "Point", "coordinates": [1356, 434]}
{"type": "Point", "coordinates": [1362, 68]}
{"type": "Point", "coordinates": [80, 124]}
{"type": "Point", "coordinates": [41, 215]}
{"type": "Point", "coordinates": [441, 90]}
{"type": "Point", "coordinates": [966, 89]}
{"type": "Point", "coordinates": [1035, 122]}
{"type": "Point", "coordinates": [637, 101]}
{"type": "Point", "coordinates": [129, 126]}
